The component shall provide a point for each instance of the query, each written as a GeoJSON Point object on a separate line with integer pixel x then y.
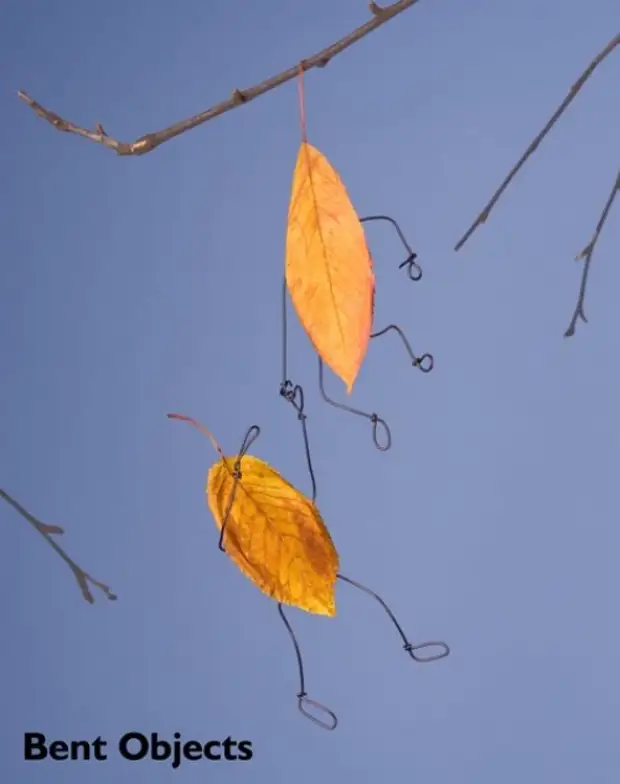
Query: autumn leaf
{"type": "Point", "coordinates": [274, 534]}
{"type": "Point", "coordinates": [329, 271]}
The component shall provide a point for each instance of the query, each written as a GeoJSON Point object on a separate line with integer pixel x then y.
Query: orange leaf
{"type": "Point", "coordinates": [328, 265]}
{"type": "Point", "coordinates": [274, 534]}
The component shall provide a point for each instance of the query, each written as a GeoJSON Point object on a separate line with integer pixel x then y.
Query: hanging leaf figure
{"type": "Point", "coordinates": [329, 270]}
{"type": "Point", "coordinates": [271, 531]}
{"type": "Point", "coordinates": [276, 537]}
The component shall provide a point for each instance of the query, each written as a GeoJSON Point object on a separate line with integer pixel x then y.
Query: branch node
{"type": "Point", "coordinates": [52, 529]}
{"type": "Point", "coordinates": [587, 251]}
{"type": "Point", "coordinates": [141, 146]}
{"type": "Point", "coordinates": [238, 96]}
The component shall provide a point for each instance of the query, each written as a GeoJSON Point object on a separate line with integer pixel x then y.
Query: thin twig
{"type": "Point", "coordinates": [46, 531]}
{"type": "Point", "coordinates": [533, 146]}
{"type": "Point", "coordinates": [150, 141]}
{"type": "Point", "coordinates": [586, 255]}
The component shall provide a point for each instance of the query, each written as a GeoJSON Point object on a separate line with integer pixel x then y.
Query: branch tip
{"type": "Point", "coordinates": [46, 531]}
{"type": "Point", "coordinates": [586, 256]}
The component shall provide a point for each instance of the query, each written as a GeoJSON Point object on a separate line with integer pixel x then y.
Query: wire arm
{"type": "Point", "coordinates": [413, 268]}
{"type": "Point", "coordinates": [424, 363]}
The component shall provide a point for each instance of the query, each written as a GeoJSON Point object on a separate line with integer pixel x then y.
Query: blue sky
{"type": "Point", "coordinates": [134, 287]}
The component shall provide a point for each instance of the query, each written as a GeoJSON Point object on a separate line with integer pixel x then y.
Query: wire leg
{"type": "Point", "coordinates": [373, 418]}
{"type": "Point", "coordinates": [303, 701]}
{"type": "Point", "coordinates": [409, 647]}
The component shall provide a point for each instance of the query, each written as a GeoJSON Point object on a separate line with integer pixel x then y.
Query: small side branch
{"type": "Point", "coordinates": [586, 256]}
{"type": "Point", "coordinates": [47, 531]}
{"type": "Point", "coordinates": [483, 216]}
{"type": "Point", "coordinates": [150, 141]}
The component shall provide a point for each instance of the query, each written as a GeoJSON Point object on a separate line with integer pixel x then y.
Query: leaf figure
{"type": "Point", "coordinates": [329, 271]}
{"type": "Point", "coordinates": [274, 534]}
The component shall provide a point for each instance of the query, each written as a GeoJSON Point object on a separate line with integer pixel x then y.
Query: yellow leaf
{"type": "Point", "coordinates": [274, 534]}
{"type": "Point", "coordinates": [328, 265]}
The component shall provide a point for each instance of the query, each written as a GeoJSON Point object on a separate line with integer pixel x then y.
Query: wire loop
{"type": "Point", "coordinates": [445, 651]}
{"type": "Point", "coordinates": [425, 363]}
{"type": "Point", "coordinates": [413, 268]}
{"type": "Point", "coordinates": [376, 423]}
{"type": "Point", "coordinates": [303, 700]}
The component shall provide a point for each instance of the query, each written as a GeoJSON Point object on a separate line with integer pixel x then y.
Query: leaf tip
{"type": "Point", "coordinates": [330, 609]}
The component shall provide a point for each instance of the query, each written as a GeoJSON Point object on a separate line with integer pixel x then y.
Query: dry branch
{"type": "Point", "coordinates": [483, 216]}
{"type": "Point", "coordinates": [587, 252]}
{"type": "Point", "coordinates": [46, 531]}
{"type": "Point", "coordinates": [586, 256]}
{"type": "Point", "coordinates": [150, 141]}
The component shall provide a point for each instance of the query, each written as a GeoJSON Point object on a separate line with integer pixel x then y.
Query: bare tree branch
{"type": "Point", "coordinates": [46, 532]}
{"type": "Point", "coordinates": [483, 216]}
{"type": "Point", "coordinates": [150, 141]}
{"type": "Point", "coordinates": [586, 255]}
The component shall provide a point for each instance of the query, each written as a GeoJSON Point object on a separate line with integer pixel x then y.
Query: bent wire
{"type": "Point", "coordinates": [294, 394]}
{"type": "Point", "coordinates": [374, 418]}
{"type": "Point", "coordinates": [318, 713]}
{"type": "Point", "coordinates": [304, 702]}
{"type": "Point", "coordinates": [311, 709]}
{"type": "Point", "coordinates": [425, 363]}
{"type": "Point", "coordinates": [413, 268]}
{"type": "Point", "coordinates": [250, 437]}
